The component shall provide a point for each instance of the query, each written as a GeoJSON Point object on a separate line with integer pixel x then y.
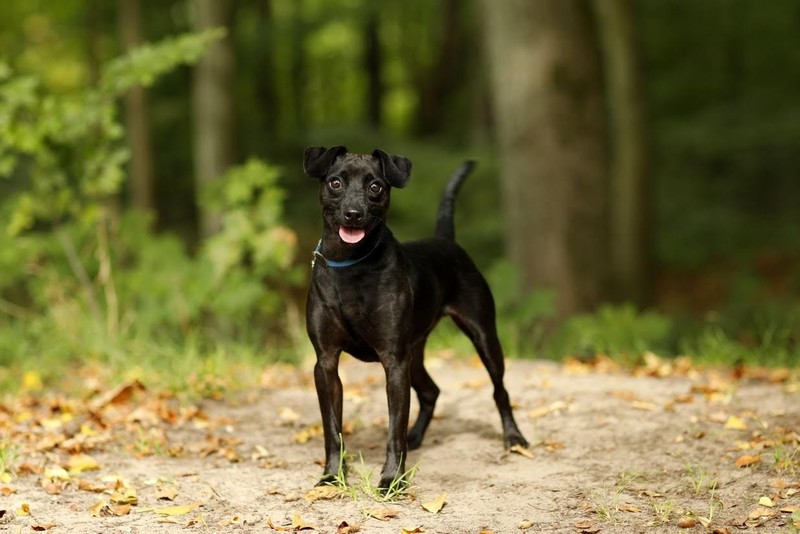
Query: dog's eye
{"type": "Point", "coordinates": [375, 188]}
{"type": "Point", "coordinates": [335, 183]}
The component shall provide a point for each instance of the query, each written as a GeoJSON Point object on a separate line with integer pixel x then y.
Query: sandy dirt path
{"type": "Point", "coordinates": [612, 452]}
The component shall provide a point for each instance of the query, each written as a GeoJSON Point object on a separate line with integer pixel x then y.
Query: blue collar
{"type": "Point", "coordinates": [339, 264]}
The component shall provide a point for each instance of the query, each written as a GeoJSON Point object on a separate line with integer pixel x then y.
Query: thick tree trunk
{"type": "Point", "coordinates": [213, 110]}
{"type": "Point", "coordinates": [630, 204]}
{"type": "Point", "coordinates": [548, 105]}
{"type": "Point", "coordinates": [137, 115]}
{"type": "Point", "coordinates": [436, 83]}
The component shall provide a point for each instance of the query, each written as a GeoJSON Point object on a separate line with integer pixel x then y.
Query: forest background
{"type": "Point", "coordinates": [636, 188]}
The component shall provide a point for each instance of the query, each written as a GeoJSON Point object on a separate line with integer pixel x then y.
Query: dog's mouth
{"type": "Point", "coordinates": [351, 235]}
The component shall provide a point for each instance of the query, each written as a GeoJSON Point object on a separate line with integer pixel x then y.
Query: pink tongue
{"type": "Point", "coordinates": [351, 235]}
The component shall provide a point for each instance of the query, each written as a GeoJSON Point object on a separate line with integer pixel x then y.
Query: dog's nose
{"type": "Point", "coordinates": [353, 216]}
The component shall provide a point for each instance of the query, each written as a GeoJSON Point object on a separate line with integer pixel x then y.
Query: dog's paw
{"type": "Point", "coordinates": [515, 440]}
{"type": "Point", "coordinates": [326, 480]}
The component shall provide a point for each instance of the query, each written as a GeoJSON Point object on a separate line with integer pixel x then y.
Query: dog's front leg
{"type": "Point", "coordinates": [329, 393]}
{"type": "Point", "coordinates": [398, 393]}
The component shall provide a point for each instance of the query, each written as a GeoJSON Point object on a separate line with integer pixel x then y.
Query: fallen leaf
{"type": "Point", "coordinates": [5, 491]}
{"type": "Point", "coordinates": [279, 528]}
{"type": "Point", "coordinates": [322, 493]}
{"type": "Point", "coordinates": [24, 509]}
{"type": "Point", "coordinates": [524, 525]}
{"type": "Point", "coordinates": [383, 514]}
{"type": "Point", "coordinates": [120, 509]}
{"type": "Point", "coordinates": [587, 527]}
{"type": "Point", "coordinates": [125, 496]}
{"type": "Point", "coordinates": [178, 510]}
{"type": "Point", "coordinates": [747, 460]}
{"type": "Point", "coordinates": [288, 416]}
{"type": "Point", "coordinates": [766, 501]}
{"type": "Point", "coordinates": [523, 451]}
{"type": "Point", "coordinates": [735, 423]}
{"type": "Point", "coordinates": [345, 528]}
{"type": "Point", "coordinates": [79, 463]}
{"type": "Point", "coordinates": [41, 527]}
{"type": "Point", "coordinates": [687, 522]}
{"type": "Point", "coordinates": [486, 531]}
{"type": "Point", "coordinates": [235, 520]}
{"type": "Point", "coordinates": [305, 435]}
{"type": "Point", "coordinates": [413, 530]}
{"type": "Point", "coordinates": [436, 505]}
{"type": "Point", "coordinates": [629, 508]}
{"type": "Point", "coordinates": [299, 524]}
{"type": "Point", "coordinates": [166, 491]}
{"type": "Point", "coordinates": [32, 381]}
{"type": "Point", "coordinates": [118, 395]}
{"type": "Point", "coordinates": [790, 509]}
{"type": "Point", "coordinates": [56, 473]}
{"type": "Point", "coordinates": [760, 512]}
{"type": "Point", "coordinates": [97, 508]}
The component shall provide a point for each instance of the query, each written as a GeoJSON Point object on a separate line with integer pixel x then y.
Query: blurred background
{"type": "Point", "coordinates": [636, 188]}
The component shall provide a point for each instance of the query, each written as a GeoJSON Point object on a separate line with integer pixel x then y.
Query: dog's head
{"type": "Point", "coordinates": [354, 188]}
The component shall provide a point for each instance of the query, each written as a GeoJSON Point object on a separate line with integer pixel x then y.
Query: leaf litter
{"type": "Point", "coordinates": [74, 444]}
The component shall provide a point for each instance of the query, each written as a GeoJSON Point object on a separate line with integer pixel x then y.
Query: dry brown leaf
{"type": "Point", "coordinates": [687, 522]}
{"type": "Point", "coordinates": [524, 525]}
{"type": "Point", "coordinates": [587, 527]}
{"type": "Point", "coordinates": [486, 531]}
{"type": "Point", "coordinates": [5, 491]}
{"type": "Point", "coordinates": [345, 528]}
{"type": "Point", "coordinates": [120, 509]}
{"type": "Point", "coordinates": [760, 512]}
{"type": "Point", "coordinates": [747, 460]}
{"type": "Point", "coordinates": [299, 524]}
{"type": "Point", "coordinates": [383, 514]}
{"type": "Point", "coordinates": [166, 491]}
{"type": "Point", "coordinates": [279, 528]}
{"type": "Point", "coordinates": [322, 493]}
{"type": "Point", "coordinates": [41, 527]}
{"type": "Point", "coordinates": [118, 395]}
{"type": "Point", "coordinates": [97, 508]}
{"type": "Point", "coordinates": [789, 509]}
{"type": "Point", "coordinates": [625, 507]}
{"type": "Point", "coordinates": [24, 509]}
{"type": "Point", "coordinates": [309, 432]}
{"type": "Point", "coordinates": [125, 496]}
{"type": "Point", "coordinates": [413, 530]}
{"type": "Point", "coordinates": [435, 506]}
{"type": "Point", "coordinates": [523, 451]}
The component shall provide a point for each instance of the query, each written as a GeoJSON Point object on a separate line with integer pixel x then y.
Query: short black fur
{"type": "Point", "coordinates": [382, 307]}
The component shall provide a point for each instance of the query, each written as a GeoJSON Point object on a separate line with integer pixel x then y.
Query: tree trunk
{"type": "Point", "coordinates": [438, 81]}
{"type": "Point", "coordinates": [137, 115]}
{"type": "Point", "coordinates": [630, 206]}
{"type": "Point", "coordinates": [264, 75]}
{"type": "Point", "coordinates": [212, 100]}
{"type": "Point", "coordinates": [549, 111]}
{"type": "Point", "coordinates": [372, 65]}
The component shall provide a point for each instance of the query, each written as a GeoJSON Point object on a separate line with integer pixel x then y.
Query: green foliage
{"type": "Point", "coordinates": [100, 283]}
{"type": "Point", "coordinates": [615, 330]}
{"type": "Point", "coordinates": [146, 63]}
{"type": "Point", "coordinates": [523, 316]}
{"type": "Point", "coordinates": [68, 150]}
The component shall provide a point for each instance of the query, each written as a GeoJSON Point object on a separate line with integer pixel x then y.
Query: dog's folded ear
{"type": "Point", "coordinates": [396, 169]}
{"type": "Point", "coordinates": [317, 160]}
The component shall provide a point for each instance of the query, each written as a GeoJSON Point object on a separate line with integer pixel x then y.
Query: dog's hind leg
{"type": "Point", "coordinates": [427, 393]}
{"type": "Point", "coordinates": [476, 318]}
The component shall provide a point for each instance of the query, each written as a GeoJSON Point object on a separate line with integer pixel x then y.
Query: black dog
{"type": "Point", "coordinates": [378, 300]}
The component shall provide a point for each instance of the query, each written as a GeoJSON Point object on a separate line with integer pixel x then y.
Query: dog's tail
{"type": "Point", "coordinates": [445, 227]}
